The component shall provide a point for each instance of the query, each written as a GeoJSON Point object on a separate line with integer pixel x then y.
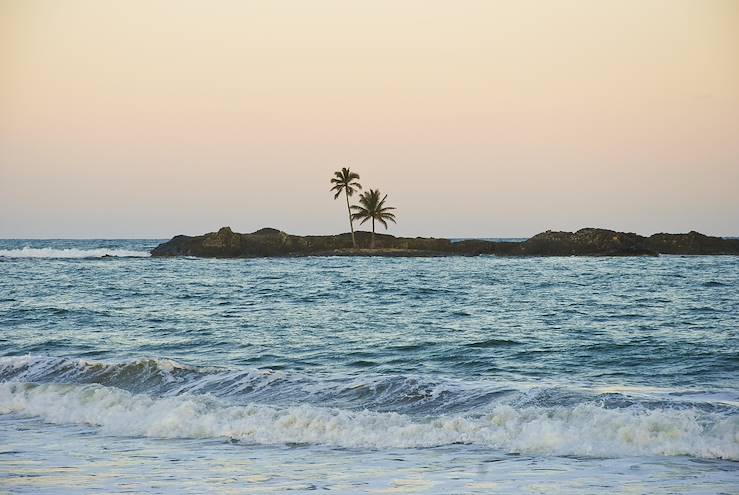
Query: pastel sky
{"type": "Point", "coordinates": [148, 118]}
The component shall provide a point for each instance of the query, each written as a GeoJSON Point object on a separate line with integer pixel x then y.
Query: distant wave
{"type": "Point", "coordinates": [29, 252]}
{"type": "Point", "coordinates": [582, 430]}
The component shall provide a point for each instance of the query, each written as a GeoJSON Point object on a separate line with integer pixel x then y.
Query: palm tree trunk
{"type": "Point", "coordinates": [351, 224]}
{"type": "Point", "coordinates": [372, 243]}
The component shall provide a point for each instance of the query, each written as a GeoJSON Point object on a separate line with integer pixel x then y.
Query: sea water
{"type": "Point", "coordinates": [126, 373]}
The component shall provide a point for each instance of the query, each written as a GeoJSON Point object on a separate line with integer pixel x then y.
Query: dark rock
{"type": "Point", "coordinates": [267, 231]}
{"type": "Point", "coordinates": [269, 242]}
{"type": "Point", "coordinates": [272, 242]}
{"type": "Point", "coordinates": [692, 243]}
{"type": "Point", "coordinates": [476, 247]}
{"type": "Point", "coordinates": [586, 242]}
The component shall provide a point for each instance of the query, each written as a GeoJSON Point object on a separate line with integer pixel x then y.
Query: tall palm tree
{"type": "Point", "coordinates": [371, 206]}
{"type": "Point", "coordinates": [346, 181]}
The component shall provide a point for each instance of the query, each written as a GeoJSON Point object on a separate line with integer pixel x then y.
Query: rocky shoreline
{"type": "Point", "coordinates": [268, 242]}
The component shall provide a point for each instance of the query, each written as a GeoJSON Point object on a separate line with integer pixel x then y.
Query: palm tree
{"type": "Point", "coordinates": [371, 206]}
{"type": "Point", "coordinates": [345, 180]}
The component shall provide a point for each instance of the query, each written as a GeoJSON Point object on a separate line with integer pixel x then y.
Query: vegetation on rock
{"type": "Point", "coordinates": [372, 207]}
{"type": "Point", "coordinates": [346, 181]}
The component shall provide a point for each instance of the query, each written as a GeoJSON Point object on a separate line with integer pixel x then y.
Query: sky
{"type": "Point", "coordinates": [149, 118]}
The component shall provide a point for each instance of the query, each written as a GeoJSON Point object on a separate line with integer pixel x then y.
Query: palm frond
{"type": "Point", "coordinates": [345, 180]}
{"type": "Point", "coordinates": [372, 206]}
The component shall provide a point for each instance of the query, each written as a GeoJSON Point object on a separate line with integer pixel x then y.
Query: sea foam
{"type": "Point", "coordinates": [582, 430]}
{"type": "Point", "coordinates": [29, 252]}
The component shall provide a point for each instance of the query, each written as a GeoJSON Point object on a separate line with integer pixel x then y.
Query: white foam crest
{"type": "Point", "coordinates": [585, 430]}
{"type": "Point", "coordinates": [29, 252]}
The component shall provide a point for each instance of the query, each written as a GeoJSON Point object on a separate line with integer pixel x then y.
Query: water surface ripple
{"type": "Point", "coordinates": [559, 362]}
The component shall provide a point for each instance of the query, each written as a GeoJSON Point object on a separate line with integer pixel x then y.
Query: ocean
{"type": "Point", "coordinates": [127, 373]}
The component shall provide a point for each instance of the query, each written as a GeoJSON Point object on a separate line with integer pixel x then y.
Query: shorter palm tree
{"type": "Point", "coordinates": [372, 207]}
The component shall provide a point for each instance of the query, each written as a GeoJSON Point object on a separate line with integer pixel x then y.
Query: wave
{"type": "Point", "coordinates": [29, 252]}
{"type": "Point", "coordinates": [138, 374]}
{"type": "Point", "coordinates": [407, 394]}
{"type": "Point", "coordinates": [493, 343]}
{"type": "Point", "coordinates": [170, 378]}
{"type": "Point", "coordinates": [584, 430]}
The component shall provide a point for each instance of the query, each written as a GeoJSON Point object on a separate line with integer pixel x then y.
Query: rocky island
{"type": "Point", "coordinates": [269, 242]}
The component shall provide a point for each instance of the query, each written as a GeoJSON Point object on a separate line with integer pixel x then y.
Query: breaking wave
{"type": "Point", "coordinates": [169, 378]}
{"type": "Point", "coordinates": [582, 430]}
{"type": "Point", "coordinates": [29, 252]}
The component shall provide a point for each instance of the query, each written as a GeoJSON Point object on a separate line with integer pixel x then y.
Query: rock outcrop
{"type": "Point", "coordinates": [269, 242]}
{"type": "Point", "coordinates": [692, 243]}
{"type": "Point", "coordinates": [587, 242]}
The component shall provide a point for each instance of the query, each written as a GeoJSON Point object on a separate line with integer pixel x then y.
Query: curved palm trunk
{"type": "Point", "coordinates": [372, 242]}
{"type": "Point", "coordinates": [351, 224]}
